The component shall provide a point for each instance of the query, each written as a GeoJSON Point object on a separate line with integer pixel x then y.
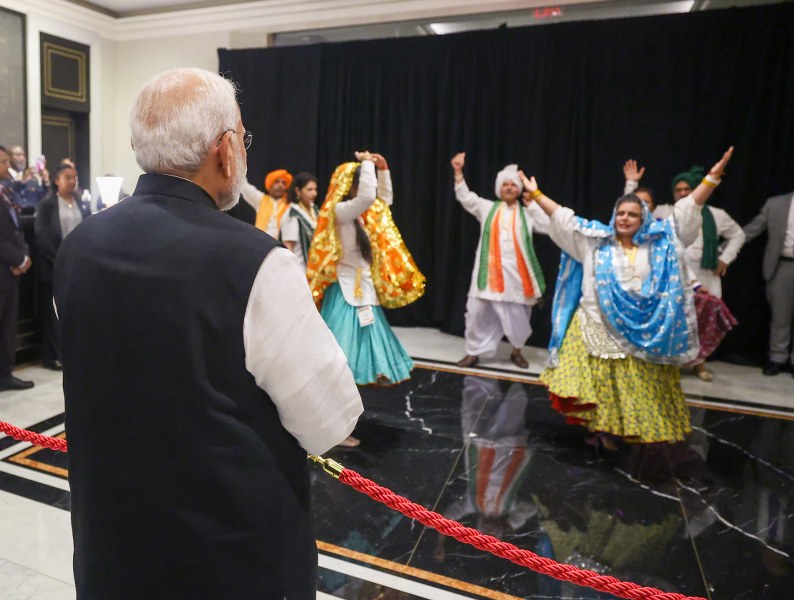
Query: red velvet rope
{"type": "Point", "coordinates": [540, 564]}
{"type": "Point", "coordinates": [37, 439]}
{"type": "Point", "coordinates": [467, 535]}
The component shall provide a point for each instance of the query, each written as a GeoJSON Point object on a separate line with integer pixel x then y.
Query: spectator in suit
{"type": "Point", "coordinates": [57, 215]}
{"type": "Point", "coordinates": [777, 219]}
{"type": "Point", "coordinates": [14, 262]}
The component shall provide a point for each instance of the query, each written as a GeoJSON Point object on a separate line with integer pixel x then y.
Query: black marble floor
{"type": "Point", "coordinates": [711, 518]}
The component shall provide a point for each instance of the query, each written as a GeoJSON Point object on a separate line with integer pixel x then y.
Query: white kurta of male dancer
{"type": "Point", "coordinates": [491, 314]}
{"type": "Point", "coordinates": [727, 229]}
{"type": "Point", "coordinates": [686, 222]}
{"type": "Point", "coordinates": [537, 221]}
{"type": "Point", "coordinates": [353, 271]}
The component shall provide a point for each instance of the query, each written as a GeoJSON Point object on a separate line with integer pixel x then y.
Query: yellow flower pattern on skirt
{"type": "Point", "coordinates": [627, 397]}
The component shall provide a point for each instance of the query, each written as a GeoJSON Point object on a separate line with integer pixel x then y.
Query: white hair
{"type": "Point", "coordinates": [177, 116]}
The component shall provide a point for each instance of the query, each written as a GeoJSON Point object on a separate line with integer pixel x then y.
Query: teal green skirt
{"type": "Point", "coordinates": [371, 351]}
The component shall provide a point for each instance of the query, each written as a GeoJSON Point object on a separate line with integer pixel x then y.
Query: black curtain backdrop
{"type": "Point", "coordinates": [568, 102]}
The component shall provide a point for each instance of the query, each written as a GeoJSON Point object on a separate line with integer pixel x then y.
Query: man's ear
{"type": "Point", "coordinates": [225, 156]}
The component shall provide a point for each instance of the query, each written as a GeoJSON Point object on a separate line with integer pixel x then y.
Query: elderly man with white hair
{"type": "Point", "coordinates": [506, 281]}
{"type": "Point", "coordinates": [197, 372]}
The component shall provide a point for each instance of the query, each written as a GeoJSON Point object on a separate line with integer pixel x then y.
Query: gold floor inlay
{"type": "Point", "coordinates": [23, 458]}
{"type": "Point", "coordinates": [414, 572]}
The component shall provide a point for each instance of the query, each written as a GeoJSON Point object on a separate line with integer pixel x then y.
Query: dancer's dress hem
{"type": "Point", "coordinates": [627, 397]}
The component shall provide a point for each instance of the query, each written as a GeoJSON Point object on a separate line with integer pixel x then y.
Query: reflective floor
{"type": "Point", "coordinates": [711, 517]}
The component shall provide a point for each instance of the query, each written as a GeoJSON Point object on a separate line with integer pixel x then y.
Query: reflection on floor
{"type": "Point", "coordinates": [711, 518]}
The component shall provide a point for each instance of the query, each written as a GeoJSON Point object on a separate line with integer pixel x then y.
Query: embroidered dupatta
{"type": "Point", "coordinates": [656, 324]}
{"type": "Point", "coordinates": [397, 280]}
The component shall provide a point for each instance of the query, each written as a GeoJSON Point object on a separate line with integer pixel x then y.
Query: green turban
{"type": "Point", "coordinates": [693, 177]}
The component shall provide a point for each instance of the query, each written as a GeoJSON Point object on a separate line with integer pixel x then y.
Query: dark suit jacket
{"type": "Point", "coordinates": [48, 234]}
{"type": "Point", "coordinates": [13, 248]}
{"type": "Point", "coordinates": [773, 218]}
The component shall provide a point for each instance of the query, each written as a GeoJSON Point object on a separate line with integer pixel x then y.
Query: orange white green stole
{"type": "Point", "coordinates": [490, 272]}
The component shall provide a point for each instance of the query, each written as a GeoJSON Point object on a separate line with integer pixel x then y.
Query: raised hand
{"type": "Point", "coordinates": [529, 182]}
{"type": "Point", "coordinates": [458, 161]}
{"type": "Point", "coordinates": [380, 162]}
{"type": "Point", "coordinates": [718, 170]}
{"type": "Point", "coordinates": [631, 172]}
{"type": "Point", "coordinates": [363, 155]}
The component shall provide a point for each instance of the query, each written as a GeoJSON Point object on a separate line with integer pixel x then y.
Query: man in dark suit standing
{"type": "Point", "coordinates": [197, 372]}
{"type": "Point", "coordinates": [14, 261]}
{"type": "Point", "coordinates": [777, 219]}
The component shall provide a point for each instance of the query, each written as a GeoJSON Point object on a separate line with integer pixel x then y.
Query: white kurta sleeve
{"type": "Point", "coordinates": [367, 189]}
{"type": "Point", "coordinates": [295, 358]}
{"type": "Point", "coordinates": [470, 201]}
{"type": "Point", "coordinates": [630, 186]}
{"type": "Point", "coordinates": [540, 220]}
{"type": "Point", "coordinates": [562, 233]}
{"type": "Point", "coordinates": [687, 219]}
{"type": "Point", "coordinates": [385, 191]}
{"type": "Point", "coordinates": [734, 237]}
{"type": "Point", "coordinates": [251, 195]}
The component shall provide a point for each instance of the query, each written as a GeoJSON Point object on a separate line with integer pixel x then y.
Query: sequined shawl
{"type": "Point", "coordinates": [397, 280]}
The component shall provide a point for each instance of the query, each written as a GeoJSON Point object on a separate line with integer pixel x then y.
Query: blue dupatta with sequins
{"type": "Point", "coordinates": [657, 323]}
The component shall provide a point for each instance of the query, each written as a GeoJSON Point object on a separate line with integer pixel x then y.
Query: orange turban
{"type": "Point", "coordinates": [271, 177]}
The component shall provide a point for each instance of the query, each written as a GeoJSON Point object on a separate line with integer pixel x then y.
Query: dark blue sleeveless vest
{"type": "Point", "coordinates": [184, 482]}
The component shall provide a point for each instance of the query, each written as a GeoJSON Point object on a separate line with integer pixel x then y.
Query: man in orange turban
{"type": "Point", "coordinates": [273, 204]}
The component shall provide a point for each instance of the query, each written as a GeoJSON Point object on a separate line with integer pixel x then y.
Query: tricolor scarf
{"type": "Point", "coordinates": [656, 324]}
{"type": "Point", "coordinates": [490, 272]}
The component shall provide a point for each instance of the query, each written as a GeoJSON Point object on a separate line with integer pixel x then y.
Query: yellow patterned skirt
{"type": "Point", "coordinates": [628, 397]}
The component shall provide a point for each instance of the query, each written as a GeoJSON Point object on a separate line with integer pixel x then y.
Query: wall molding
{"type": "Point", "coordinates": [270, 16]}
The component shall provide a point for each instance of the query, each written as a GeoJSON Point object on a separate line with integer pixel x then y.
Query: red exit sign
{"type": "Point", "coordinates": [548, 11]}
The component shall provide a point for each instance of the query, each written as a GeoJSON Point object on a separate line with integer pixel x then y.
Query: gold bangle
{"type": "Point", "coordinates": [536, 194]}
{"type": "Point", "coordinates": [708, 183]}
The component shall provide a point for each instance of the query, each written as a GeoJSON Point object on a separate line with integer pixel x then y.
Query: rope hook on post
{"type": "Point", "coordinates": [467, 535]}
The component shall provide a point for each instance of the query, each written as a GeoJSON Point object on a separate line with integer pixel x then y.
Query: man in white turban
{"type": "Point", "coordinates": [506, 281]}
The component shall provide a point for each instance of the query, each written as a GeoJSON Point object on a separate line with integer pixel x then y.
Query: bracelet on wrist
{"type": "Point", "coordinates": [711, 180]}
{"type": "Point", "coordinates": [536, 194]}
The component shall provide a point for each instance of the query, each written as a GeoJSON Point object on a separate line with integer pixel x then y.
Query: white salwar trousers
{"type": "Point", "coordinates": [487, 321]}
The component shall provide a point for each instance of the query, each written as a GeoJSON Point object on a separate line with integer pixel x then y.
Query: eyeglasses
{"type": "Point", "coordinates": [248, 137]}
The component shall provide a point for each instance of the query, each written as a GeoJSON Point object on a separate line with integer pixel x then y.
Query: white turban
{"type": "Point", "coordinates": [509, 173]}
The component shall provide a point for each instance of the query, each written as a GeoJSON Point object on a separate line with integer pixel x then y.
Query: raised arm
{"type": "Point", "coordinates": [367, 190]}
{"type": "Point", "coordinates": [470, 201]}
{"type": "Point", "coordinates": [385, 191]}
{"type": "Point", "coordinates": [632, 175]}
{"type": "Point", "coordinates": [547, 204]}
{"type": "Point", "coordinates": [706, 187]}
{"type": "Point", "coordinates": [562, 220]}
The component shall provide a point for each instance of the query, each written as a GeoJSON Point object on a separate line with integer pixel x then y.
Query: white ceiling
{"type": "Point", "coordinates": [126, 8]}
